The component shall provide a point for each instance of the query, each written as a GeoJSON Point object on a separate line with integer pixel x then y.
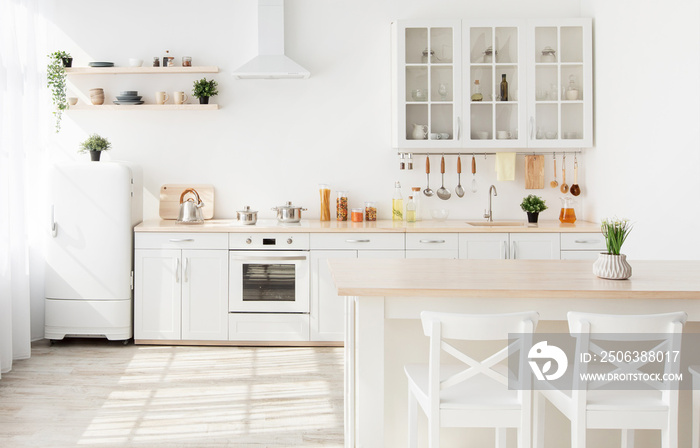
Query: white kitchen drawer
{"type": "Point", "coordinates": [268, 327]}
{"type": "Point", "coordinates": [582, 241]}
{"type": "Point", "coordinates": [144, 240]}
{"type": "Point", "coordinates": [580, 255]}
{"type": "Point", "coordinates": [357, 241]}
{"type": "Point", "coordinates": [431, 241]}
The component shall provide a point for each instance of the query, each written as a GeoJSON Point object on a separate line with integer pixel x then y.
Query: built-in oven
{"type": "Point", "coordinates": [268, 273]}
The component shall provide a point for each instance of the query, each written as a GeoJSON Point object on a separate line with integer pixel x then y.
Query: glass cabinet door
{"type": "Point", "coordinates": [427, 89]}
{"type": "Point", "coordinates": [493, 85]}
{"type": "Point", "coordinates": [560, 83]}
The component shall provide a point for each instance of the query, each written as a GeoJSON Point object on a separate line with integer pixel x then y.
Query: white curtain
{"type": "Point", "coordinates": [21, 142]}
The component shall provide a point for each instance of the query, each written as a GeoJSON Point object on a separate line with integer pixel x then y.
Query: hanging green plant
{"type": "Point", "coordinates": [56, 80]}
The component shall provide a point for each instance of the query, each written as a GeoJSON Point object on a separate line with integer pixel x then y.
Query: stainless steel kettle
{"type": "Point", "coordinates": [190, 211]}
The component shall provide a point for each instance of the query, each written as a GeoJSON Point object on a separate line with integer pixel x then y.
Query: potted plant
{"type": "Point", "coordinates": [203, 89]}
{"type": "Point", "coordinates": [95, 145]}
{"type": "Point", "coordinates": [612, 264]}
{"type": "Point", "coordinates": [56, 80]}
{"type": "Point", "coordinates": [533, 205]}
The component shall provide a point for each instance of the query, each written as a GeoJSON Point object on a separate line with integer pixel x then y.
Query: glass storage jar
{"type": "Point", "coordinates": [341, 206]}
{"type": "Point", "coordinates": [370, 211]}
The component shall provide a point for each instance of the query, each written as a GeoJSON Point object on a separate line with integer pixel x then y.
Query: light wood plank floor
{"type": "Point", "coordinates": [96, 393]}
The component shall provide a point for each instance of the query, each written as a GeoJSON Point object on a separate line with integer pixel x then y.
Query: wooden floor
{"type": "Point", "coordinates": [96, 393]}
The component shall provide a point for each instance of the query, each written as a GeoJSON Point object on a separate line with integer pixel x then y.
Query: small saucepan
{"type": "Point", "coordinates": [247, 216]}
{"type": "Point", "coordinates": [288, 213]}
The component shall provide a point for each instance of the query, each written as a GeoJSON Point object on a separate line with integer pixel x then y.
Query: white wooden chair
{"type": "Point", "coordinates": [589, 406]}
{"type": "Point", "coordinates": [695, 372]}
{"type": "Point", "coordinates": [475, 395]}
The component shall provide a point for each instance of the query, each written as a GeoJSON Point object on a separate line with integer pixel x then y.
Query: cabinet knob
{"type": "Point", "coordinates": [289, 241]}
{"type": "Point", "coordinates": [248, 240]}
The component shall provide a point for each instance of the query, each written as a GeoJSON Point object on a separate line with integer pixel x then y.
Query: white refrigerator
{"type": "Point", "coordinates": [94, 207]}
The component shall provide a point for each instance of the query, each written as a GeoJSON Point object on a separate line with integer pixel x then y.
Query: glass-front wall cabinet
{"type": "Point", "coordinates": [496, 109]}
{"type": "Point", "coordinates": [427, 84]}
{"type": "Point", "coordinates": [560, 83]}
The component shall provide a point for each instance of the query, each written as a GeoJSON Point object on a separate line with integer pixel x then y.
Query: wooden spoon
{"type": "Point", "coordinates": [564, 187]}
{"type": "Point", "coordinates": [474, 186]}
{"type": "Point", "coordinates": [575, 189]}
{"type": "Point", "coordinates": [554, 183]}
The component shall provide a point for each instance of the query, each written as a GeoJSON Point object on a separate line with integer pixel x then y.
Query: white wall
{"type": "Point", "coordinates": [646, 162]}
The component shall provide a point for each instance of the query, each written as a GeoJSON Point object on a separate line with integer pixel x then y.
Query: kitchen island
{"type": "Point", "coordinates": [385, 298]}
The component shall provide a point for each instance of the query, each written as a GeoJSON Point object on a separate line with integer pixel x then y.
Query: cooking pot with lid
{"type": "Point", "coordinates": [288, 213]}
{"type": "Point", "coordinates": [190, 211]}
{"type": "Point", "coordinates": [247, 216]}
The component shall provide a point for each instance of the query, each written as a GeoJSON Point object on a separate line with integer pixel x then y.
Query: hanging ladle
{"type": "Point", "coordinates": [575, 189]}
{"type": "Point", "coordinates": [459, 191]}
{"type": "Point", "coordinates": [443, 193]}
{"type": "Point", "coordinates": [564, 187]}
{"type": "Point", "coordinates": [554, 183]}
{"type": "Point", "coordinates": [428, 192]}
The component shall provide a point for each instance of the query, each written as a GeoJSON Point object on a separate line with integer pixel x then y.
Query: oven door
{"type": "Point", "coordinates": [269, 281]}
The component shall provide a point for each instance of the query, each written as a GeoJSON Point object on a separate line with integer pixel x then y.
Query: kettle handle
{"type": "Point", "coordinates": [190, 190]}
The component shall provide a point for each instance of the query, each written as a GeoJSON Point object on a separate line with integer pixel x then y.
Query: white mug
{"type": "Point", "coordinates": [435, 136]}
{"type": "Point", "coordinates": [161, 97]}
{"type": "Point", "coordinates": [444, 135]}
{"type": "Point", "coordinates": [503, 135]}
{"type": "Point", "coordinates": [179, 97]}
{"type": "Point", "coordinates": [482, 135]}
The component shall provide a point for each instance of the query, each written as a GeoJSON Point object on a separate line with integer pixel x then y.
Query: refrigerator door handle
{"type": "Point", "coordinates": [54, 228]}
{"type": "Point", "coordinates": [177, 270]}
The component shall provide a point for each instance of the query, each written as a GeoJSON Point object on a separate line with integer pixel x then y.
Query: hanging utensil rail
{"type": "Point", "coordinates": [467, 152]}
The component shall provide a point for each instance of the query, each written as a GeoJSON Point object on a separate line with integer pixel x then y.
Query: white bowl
{"type": "Point", "coordinates": [439, 214]}
{"type": "Point", "coordinates": [72, 100]}
{"type": "Point", "coordinates": [133, 62]}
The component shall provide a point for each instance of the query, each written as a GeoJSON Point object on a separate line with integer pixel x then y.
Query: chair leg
{"type": "Point", "coordinates": [538, 425]}
{"type": "Point", "coordinates": [412, 420]}
{"type": "Point", "coordinates": [500, 437]}
{"type": "Point", "coordinates": [627, 438]}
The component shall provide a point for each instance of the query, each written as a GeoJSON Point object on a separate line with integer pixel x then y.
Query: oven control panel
{"type": "Point", "coordinates": [268, 241]}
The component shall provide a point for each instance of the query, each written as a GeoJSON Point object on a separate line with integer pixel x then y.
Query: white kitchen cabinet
{"type": "Point", "coordinates": [181, 293]}
{"type": "Point", "coordinates": [427, 93]}
{"type": "Point", "coordinates": [582, 246]}
{"type": "Point", "coordinates": [560, 117]}
{"type": "Point", "coordinates": [501, 246]}
{"type": "Point", "coordinates": [432, 245]}
{"type": "Point", "coordinates": [539, 59]}
{"type": "Point", "coordinates": [327, 314]}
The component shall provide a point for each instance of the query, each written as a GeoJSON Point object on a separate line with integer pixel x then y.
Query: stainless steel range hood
{"type": "Point", "coordinates": [271, 63]}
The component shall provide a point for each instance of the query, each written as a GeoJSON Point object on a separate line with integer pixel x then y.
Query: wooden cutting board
{"type": "Point", "coordinates": [534, 172]}
{"type": "Point", "coordinates": [170, 199]}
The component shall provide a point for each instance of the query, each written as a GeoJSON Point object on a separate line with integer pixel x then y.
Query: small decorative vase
{"type": "Point", "coordinates": [532, 217]}
{"type": "Point", "coordinates": [95, 156]}
{"type": "Point", "coordinates": [613, 267]}
{"type": "Point", "coordinates": [203, 100]}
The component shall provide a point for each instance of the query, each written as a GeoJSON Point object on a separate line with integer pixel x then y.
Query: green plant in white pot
{"type": "Point", "coordinates": [613, 264]}
{"type": "Point", "coordinates": [533, 205]}
{"type": "Point", "coordinates": [95, 144]}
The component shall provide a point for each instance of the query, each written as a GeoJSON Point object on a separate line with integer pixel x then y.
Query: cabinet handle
{"type": "Point", "coordinates": [261, 258]}
{"type": "Point", "coordinates": [505, 250]}
{"type": "Point", "coordinates": [54, 228]}
{"type": "Point", "coordinates": [357, 241]}
{"type": "Point", "coordinates": [532, 128]}
{"type": "Point", "coordinates": [184, 269]}
{"type": "Point", "coordinates": [585, 241]}
{"type": "Point", "coordinates": [432, 241]}
{"type": "Point", "coordinates": [180, 240]}
{"type": "Point", "coordinates": [177, 270]}
{"type": "Point", "coordinates": [459, 127]}
{"type": "Point", "coordinates": [513, 246]}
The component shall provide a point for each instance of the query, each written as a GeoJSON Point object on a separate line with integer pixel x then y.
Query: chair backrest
{"type": "Point", "coordinates": [661, 333]}
{"type": "Point", "coordinates": [476, 327]}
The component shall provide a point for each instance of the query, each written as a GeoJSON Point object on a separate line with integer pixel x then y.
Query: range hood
{"type": "Point", "coordinates": [271, 63]}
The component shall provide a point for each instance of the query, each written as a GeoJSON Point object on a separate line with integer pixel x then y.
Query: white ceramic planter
{"type": "Point", "coordinates": [613, 267]}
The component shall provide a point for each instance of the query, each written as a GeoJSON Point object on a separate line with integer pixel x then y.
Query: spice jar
{"type": "Point", "coordinates": [325, 193]}
{"type": "Point", "coordinates": [341, 206]}
{"type": "Point", "coordinates": [156, 61]}
{"type": "Point", "coordinates": [370, 211]}
{"type": "Point", "coordinates": [187, 61]}
{"type": "Point", "coordinates": [356, 215]}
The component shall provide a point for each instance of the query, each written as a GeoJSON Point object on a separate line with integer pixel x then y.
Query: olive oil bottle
{"type": "Point", "coordinates": [504, 88]}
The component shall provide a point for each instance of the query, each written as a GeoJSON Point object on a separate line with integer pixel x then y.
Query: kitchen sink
{"type": "Point", "coordinates": [496, 223]}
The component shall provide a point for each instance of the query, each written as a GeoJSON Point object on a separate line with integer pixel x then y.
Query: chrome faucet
{"type": "Point", "coordinates": [489, 214]}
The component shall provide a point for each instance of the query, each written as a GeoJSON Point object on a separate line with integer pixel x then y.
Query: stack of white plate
{"type": "Point", "coordinates": [128, 97]}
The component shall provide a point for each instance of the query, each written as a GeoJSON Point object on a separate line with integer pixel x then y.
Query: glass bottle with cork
{"type": "Point", "coordinates": [504, 88]}
{"type": "Point", "coordinates": [415, 191]}
{"type": "Point", "coordinates": [477, 96]}
{"type": "Point", "coordinates": [397, 203]}
{"type": "Point", "coordinates": [411, 210]}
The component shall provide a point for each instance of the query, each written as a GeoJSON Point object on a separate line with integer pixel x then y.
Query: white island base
{"type": "Point", "coordinates": [384, 299]}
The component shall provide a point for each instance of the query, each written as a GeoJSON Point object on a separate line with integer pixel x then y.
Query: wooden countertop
{"type": "Point", "coordinates": [512, 279]}
{"type": "Point", "coordinates": [381, 226]}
